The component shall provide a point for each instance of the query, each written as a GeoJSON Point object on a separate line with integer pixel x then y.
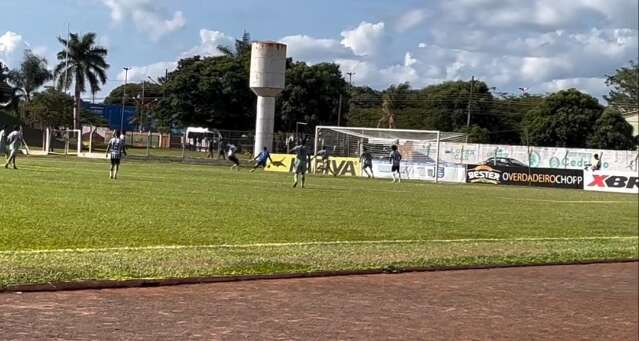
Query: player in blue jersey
{"type": "Point", "coordinates": [261, 159]}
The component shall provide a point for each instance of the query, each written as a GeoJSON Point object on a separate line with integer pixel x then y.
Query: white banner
{"type": "Point", "coordinates": [606, 181]}
{"type": "Point", "coordinates": [540, 157]}
{"type": "Point", "coordinates": [421, 171]}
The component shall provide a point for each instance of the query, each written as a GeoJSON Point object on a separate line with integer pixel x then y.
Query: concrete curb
{"type": "Point", "coordinates": [145, 283]}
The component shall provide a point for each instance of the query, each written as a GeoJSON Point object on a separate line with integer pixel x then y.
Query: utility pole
{"type": "Point", "coordinates": [339, 111]}
{"type": "Point", "coordinates": [470, 100]}
{"type": "Point", "coordinates": [142, 107]}
{"type": "Point", "coordinates": [126, 74]}
{"type": "Point", "coordinates": [350, 78]}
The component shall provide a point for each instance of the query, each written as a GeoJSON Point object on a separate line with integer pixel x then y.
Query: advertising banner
{"type": "Point", "coordinates": [421, 171]}
{"type": "Point", "coordinates": [539, 157]}
{"type": "Point", "coordinates": [619, 182]}
{"type": "Point", "coordinates": [335, 166]}
{"type": "Point", "coordinates": [523, 176]}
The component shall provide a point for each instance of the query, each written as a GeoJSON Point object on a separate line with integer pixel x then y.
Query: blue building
{"type": "Point", "coordinates": [112, 113]}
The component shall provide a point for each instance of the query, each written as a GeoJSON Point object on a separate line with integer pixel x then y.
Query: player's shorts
{"type": "Point", "coordinates": [299, 166]}
{"type": "Point", "coordinates": [367, 165]}
{"type": "Point", "coordinates": [260, 164]}
{"type": "Point", "coordinates": [395, 168]}
{"type": "Point", "coordinates": [234, 159]}
{"type": "Point", "coordinates": [115, 161]}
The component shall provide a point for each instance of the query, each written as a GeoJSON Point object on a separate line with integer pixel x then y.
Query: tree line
{"type": "Point", "coordinates": [213, 92]}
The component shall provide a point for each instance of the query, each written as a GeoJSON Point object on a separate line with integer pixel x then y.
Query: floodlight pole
{"type": "Point", "coordinates": [437, 159]}
{"type": "Point", "coordinates": [126, 74]}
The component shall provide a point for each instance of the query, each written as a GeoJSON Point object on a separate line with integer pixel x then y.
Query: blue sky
{"type": "Point", "coordinates": [542, 45]}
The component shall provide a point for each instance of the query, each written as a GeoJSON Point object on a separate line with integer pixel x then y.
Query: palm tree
{"type": "Point", "coordinates": [80, 60]}
{"type": "Point", "coordinates": [33, 73]}
{"type": "Point", "coordinates": [393, 99]}
{"type": "Point", "coordinates": [242, 47]}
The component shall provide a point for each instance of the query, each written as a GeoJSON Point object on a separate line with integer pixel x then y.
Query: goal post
{"type": "Point", "coordinates": [420, 149]}
{"type": "Point", "coordinates": [63, 141]}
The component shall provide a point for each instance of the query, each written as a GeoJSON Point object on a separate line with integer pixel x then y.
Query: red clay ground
{"type": "Point", "coordinates": [596, 302]}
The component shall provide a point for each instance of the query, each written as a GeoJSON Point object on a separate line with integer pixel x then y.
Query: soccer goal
{"type": "Point", "coordinates": [419, 148]}
{"type": "Point", "coordinates": [63, 141]}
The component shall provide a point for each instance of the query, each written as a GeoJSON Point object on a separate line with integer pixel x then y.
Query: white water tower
{"type": "Point", "coordinates": [268, 71]}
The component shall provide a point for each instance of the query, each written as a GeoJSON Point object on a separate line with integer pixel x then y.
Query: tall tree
{"type": "Point", "coordinates": [565, 119]}
{"type": "Point", "coordinates": [81, 60]}
{"type": "Point", "coordinates": [393, 100]}
{"type": "Point", "coordinates": [624, 92]}
{"type": "Point", "coordinates": [311, 95]}
{"type": "Point", "coordinates": [31, 75]}
{"type": "Point", "coordinates": [9, 96]}
{"type": "Point", "coordinates": [612, 131]}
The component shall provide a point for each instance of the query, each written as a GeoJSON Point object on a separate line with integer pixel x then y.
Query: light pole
{"type": "Point", "coordinates": [126, 74]}
{"type": "Point", "coordinates": [297, 124]}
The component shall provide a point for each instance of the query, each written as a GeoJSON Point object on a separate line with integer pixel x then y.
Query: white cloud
{"type": "Point", "coordinates": [314, 50]}
{"type": "Point", "coordinates": [209, 41]}
{"type": "Point", "coordinates": [146, 16]}
{"type": "Point", "coordinates": [410, 20]}
{"type": "Point", "coordinates": [11, 45]}
{"type": "Point", "coordinates": [137, 74]}
{"type": "Point", "coordinates": [409, 60]}
{"type": "Point", "coordinates": [9, 42]}
{"type": "Point", "coordinates": [365, 39]}
{"type": "Point", "coordinates": [422, 45]}
{"type": "Point", "coordinates": [594, 85]}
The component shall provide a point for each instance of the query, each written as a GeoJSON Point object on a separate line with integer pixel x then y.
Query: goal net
{"type": "Point", "coordinates": [63, 141]}
{"type": "Point", "coordinates": [419, 149]}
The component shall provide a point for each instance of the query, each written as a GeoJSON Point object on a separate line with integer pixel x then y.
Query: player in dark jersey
{"type": "Point", "coordinates": [395, 158]}
{"type": "Point", "coordinates": [367, 163]}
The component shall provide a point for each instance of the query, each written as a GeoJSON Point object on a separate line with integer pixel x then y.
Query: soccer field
{"type": "Point", "coordinates": [64, 220]}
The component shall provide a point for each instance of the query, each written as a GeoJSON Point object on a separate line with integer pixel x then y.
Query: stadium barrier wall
{"type": "Point", "coordinates": [335, 166]}
{"type": "Point", "coordinates": [540, 157]}
{"type": "Point", "coordinates": [421, 171]}
{"type": "Point", "coordinates": [607, 181]}
{"type": "Point", "coordinates": [524, 176]}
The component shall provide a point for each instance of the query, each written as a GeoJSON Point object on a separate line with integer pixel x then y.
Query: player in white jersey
{"type": "Point", "coordinates": [395, 158]}
{"type": "Point", "coordinates": [115, 149]}
{"type": "Point", "coordinates": [232, 157]}
{"type": "Point", "coordinates": [15, 141]}
{"type": "Point", "coordinates": [3, 142]}
{"type": "Point", "coordinates": [301, 160]}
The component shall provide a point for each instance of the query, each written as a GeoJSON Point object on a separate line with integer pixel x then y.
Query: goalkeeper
{"type": "Point", "coordinates": [261, 159]}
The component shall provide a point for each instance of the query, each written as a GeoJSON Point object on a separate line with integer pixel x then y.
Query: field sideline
{"type": "Point", "coordinates": [64, 220]}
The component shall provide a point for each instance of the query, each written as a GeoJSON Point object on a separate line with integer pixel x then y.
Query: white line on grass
{"type": "Point", "coordinates": [338, 242]}
{"type": "Point", "coordinates": [574, 201]}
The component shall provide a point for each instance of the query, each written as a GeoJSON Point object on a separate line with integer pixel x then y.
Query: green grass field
{"type": "Point", "coordinates": [62, 219]}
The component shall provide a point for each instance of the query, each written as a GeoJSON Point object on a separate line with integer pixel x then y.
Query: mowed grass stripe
{"type": "Point", "coordinates": [338, 242]}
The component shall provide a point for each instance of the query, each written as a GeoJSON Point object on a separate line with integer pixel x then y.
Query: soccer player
{"type": "Point", "coordinates": [232, 157]}
{"type": "Point", "coordinates": [324, 156]}
{"type": "Point", "coordinates": [115, 149]}
{"type": "Point", "coordinates": [595, 164]}
{"type": "Point", "coordinates": [367, 163]}
{"type": "Point", "coordinates": [3, 141]}
{"type": "Point", "coordinates": [395, 158]}
{"type": "Point", "coordinates": [301, 159]}
{"type": "Point", "coordinates": [15, 141]}
{"type": "Point", "coordinates": [261, 158]}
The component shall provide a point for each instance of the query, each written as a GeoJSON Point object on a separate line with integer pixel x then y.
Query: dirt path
{"type": "Point", "coordinates": [596, 302]}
